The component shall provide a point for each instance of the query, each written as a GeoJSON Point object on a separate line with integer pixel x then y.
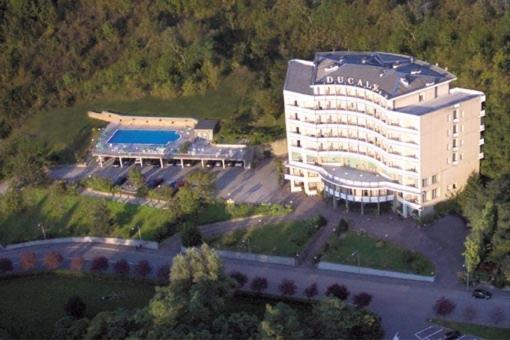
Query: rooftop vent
{"type": "Point", "coordinates": [331, 68]}
{"type": "Point", "coordinates": [396, 64]}
{"type": "Point", "coordinates": [417, 71]}
{"type": "Point", "coordinates": [364, 60]}
{"type": "Point", "coordinates": [404, 81]}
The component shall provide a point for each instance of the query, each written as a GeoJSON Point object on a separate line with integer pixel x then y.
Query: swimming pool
{"type": "Point", "coordinates": [161, 137]}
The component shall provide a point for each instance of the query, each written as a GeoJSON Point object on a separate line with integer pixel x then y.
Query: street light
{"type": "Point", "coordinates": [139, 232]}
{"type": "Point", "coordinates": [467, 275]}
{"type": "Point", "coordinates": [41, 226]}
{"type": "Point", "coordinates": [356, 253]}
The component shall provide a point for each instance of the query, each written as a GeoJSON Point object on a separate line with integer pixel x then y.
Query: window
{"type": "Point", "coordinates": [454, 157]}
{"type": "Point", "coordinates": [483, 105]}
{"type": "Point", "coordinates": [435, 92]}
{"type": "Point", "coordinates": [454, 186]}
{"type": "Point", "coordinates": [434, 179]}
{"type": "Point", "coordinates": [434, 193]}
{"type": "Point", "coordinates": [424, 182]}
{"type": "Point", "coordinates": [295, 103]}
{"type": "Point", "coordinates": [455, 114]}
{"type": "Point", "coordinates": [424, 196]}
{"type": "Point", "coordinates": [298, 143]}
{"type": "Point", "coordinates": [455, 129]}
{"type": "Point", "coordinates": [454, 143]}
{"type": "Point", "coordinates": [420, 97]}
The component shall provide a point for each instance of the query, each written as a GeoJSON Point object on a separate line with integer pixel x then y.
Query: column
{"type": "Point", "coordinates": [202, 161]}
{"type": "Point", "coordinates": [161, 162]}
{"type": "Point", "coordinates": [120, 161]}
{"type": "Point", "coordinates": [100, 158]}
{"type": "Point", "coordinates": [182, 162]}
{"type": "Point", "coordinates": [223, 163]}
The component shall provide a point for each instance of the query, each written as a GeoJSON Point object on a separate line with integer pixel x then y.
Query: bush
{"type": "Point", "coordinates": [28, 260]}
{"type": "Point", "coordinates": [75, 307]}
{"type": "Point", "coordinates": [6, 265]}
{"type": "Point", "coordinates": [53, 260]}
{"type": "Point", "coordinates": [321, 221]}
{"type": "Point", "coordinates": [259, 284]}
{"type": "Point", "coordinates": [311, 291]}
{"type": "Point", "coordinates": [99, 183]}
{"type": "Point", "coordinates": [77, 263]}
{"type": "Point", "coordinates": [409, 256]}
{"type": "Point", "coordinates": [191, 236]}
{"type": "Point", "coordinates": [121, 267]}
{"type": "Point", "coordinates": [444, 306]}
{"type": "Point", "coordinates": [99, 264]}
{"type": "Point", "coordinates": [287, 287]}
{"type": "Point", "coordinates": [342, 227]}
{"type": "Point", "coordinates": [142, 268]}
{"type": "Point", "coordinates": [362, 299]}
{"type": "Point", "coordinates": [240, 278]}
{"type": "Point", "coordinates": [497, 315]}
{"type": "Point", "coordinates": [339, 291]}
{"type": "Point", "coordinates": [163, 274]}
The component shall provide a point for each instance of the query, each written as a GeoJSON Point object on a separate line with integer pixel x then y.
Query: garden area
{"type": "Point", "coordinates": [350, 247]}
{"type": "Point", "coordinates": [280, 239]}
{"type": "Point", "coordinates": [30, 305]}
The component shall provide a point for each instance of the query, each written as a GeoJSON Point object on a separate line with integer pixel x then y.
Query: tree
{"type": "Point", "coordinates": [6, 265]}
{"type": "Point", "coordinates": [99, 264]}
{"type": "Point", "coordinates": [202, 183]}
{"type": "Point", "coordinates": [362, 299]}
{"type": "Point", "coordinates": [163, 274]}
{"type": "Point", "coordinates": [236, 326]}
{"type": "Point", "coordinates": [280, 322]}
{"type": "Point", "coordinates": [342, 227]}
{"type": "Point", "coordinates": [25, 159]}
{"type": "Point", "coordinates": [117, 324]}
{"type": "Point", "coordinates": [287, 287]}
{"type": "Point", "coordinates": [191, 236]}
{"type": "Point", "coordinates": [259, 284]}
{"type": "Point", "coordinates": [143, 268]}
{"type": "Point", "coordinates": [13, 202]}
{"type": "Point", "coordinates": [136, 178]}
{"type": "Point", "coordinates": [70, 328]}
{"type": "Point", "coordinates": [321, 221]}
{"type": "Point", "coordinates": [338, 291]}
{"type": "Point", "coordinates": [333, 319]}
{"type": "Point", "coordinates": [100, 218]}
{"type": "Point", "coordinates": [472, 252]}
{"type": "Point", "coordinates": [53, 260]}
{"type": "Point", "coordinates": [444, 306]}
{"type": "Point", "coordinates": [311, 291]}
{"type": "Point", "coordinates": [121, 267]}
{"type": "Point", "coordinates": [76, 263]}
{"type": "Point", "coordinates": [75, 307]}
{"type": "Point", "coordinates": [187, 201]}
{"type": "Point", "coordinates": [28, 260]}
{"type": "Point", "coordinates": [240, 278]}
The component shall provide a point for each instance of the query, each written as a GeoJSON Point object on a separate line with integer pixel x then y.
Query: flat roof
{"type": "Point", "coordinates": [352, 174]}
{"type": "Point", "coordinates": [439, 103]}
{"type": "Point", "coordinates": [206, 124]}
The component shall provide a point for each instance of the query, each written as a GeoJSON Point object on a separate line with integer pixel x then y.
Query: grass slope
{"type": "Point", "coordinates": [31, 305]}
{"type": "Point", "coordinates": [281, 239]}
{"type": "Point", "coordinates": [374, 253]}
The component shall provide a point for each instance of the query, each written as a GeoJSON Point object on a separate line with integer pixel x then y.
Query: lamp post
{"type": "Point", "coordinates": [139, 232]}
{"type": "Point", "coordinates": [247, 243]}
{"type": "Point", "coordinates": [467, 275]}
{"type": "Point", "coordinates": [41, 226]}
{"type": "Point", "coordinates": [356, 253]}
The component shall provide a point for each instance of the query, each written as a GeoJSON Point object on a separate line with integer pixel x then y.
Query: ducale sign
{"type": "Point", "coordinates": [340, 80]}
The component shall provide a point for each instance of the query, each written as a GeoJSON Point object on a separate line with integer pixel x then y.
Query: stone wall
{"type": "Point", "coordinates": [175, 122]}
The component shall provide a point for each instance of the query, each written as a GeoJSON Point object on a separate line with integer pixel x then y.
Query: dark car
{"type": "Point", "coordinates": [481, 294]}
{"type": "Point", "coordinates": [120, 180]}
{"type": "Point", "coordinates": [452, 335]}
{"type": "Point", "coordinates": [154, 182]}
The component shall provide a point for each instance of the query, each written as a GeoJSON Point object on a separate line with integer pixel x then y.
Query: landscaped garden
{"type": "Point", "coordinates": [351, 247]}
{"type": "Point", "coordinates": [280, 239]}
{"type": "Point", "coordinates": [30, 305]}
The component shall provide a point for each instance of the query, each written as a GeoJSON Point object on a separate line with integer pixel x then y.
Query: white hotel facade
{"type": "Point", "coordinates": [373, 128]}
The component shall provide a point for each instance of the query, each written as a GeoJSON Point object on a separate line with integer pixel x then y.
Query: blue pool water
{"type": "Point", "coordinates": [144, 136]}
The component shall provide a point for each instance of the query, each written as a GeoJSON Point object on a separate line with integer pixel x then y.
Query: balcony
{"type": "Point", "coordinates": [480, 155]}
{"type": "Point", "coordinates": [482, 113]}
{"type": "Point", "coordinates": [482, 141]}
{"type": "Point", "coordinates": [482, 127]}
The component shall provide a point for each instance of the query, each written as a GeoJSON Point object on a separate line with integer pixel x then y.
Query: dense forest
{"type": "Point", "coordinates": [63, 52]}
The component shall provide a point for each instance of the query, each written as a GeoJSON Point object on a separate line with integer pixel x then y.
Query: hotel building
{"type": "Point", "coordinates": [373, 128]}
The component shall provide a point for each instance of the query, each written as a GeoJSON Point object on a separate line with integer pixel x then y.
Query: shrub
{"type": "Point", "coordinates": [342, 227]}
{"type": "Point", "coordinates": [75, 307]}
{"type": "Point", "coordinates": [6, 265]}
{"type": "Point", "coordinates": [444, 306]}
{"type": "Point", "coordinates": [409, 256]}
{"type": "Point", "coordinates": [321, 221]}
{"type": "Point", "coordinates": [99, 264]}
{"type": "Point", "coordinates": [99, 183]}
{"type": "Point", "coordinates": [77, 263]}
{"type": "Point", "coordinates": [311, 291]}
{"type": "Point", "coordinates": [338, 291]}
{"type": "Point", "coordinates": [121, 267]}
{"type": "Point", "coordinates": [259, 284]}
{"type": "Point", "coordinates": [469, 313]}
{"type": "Point", "coordinates": [163, 274]}
{"type": "Point", "coordinates": [287, 287]}
{"type": "Point", "coordinates": [53, 260]}
{"type": "Point", "coordinates": [143, 268]}
{"type": "Point", "coordinates": [28, 260]}
{"type": "Point", "coordinates": [191, 236]}
{"type": "Point", "coordinates": [497, 315]}
{"type": "Point", "coordinates": [240, 278]}
{"type": "Point", "coordinates": [362, 299]}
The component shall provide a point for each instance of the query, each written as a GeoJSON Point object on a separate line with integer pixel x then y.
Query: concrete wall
{"type": "Point", "coordinates": [375, 272]}
{"type": "Point", "coordinates": [289, 261]}
{"type": "Point", "coordinates": [87, 239]}
{"type": "Point", "coordinates": [111, 117]}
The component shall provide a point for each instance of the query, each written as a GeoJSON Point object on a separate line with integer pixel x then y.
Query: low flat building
{"type": "Point", "coordinates": [375, 128]}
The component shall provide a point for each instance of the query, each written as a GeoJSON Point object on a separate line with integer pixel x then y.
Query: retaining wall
{"type": "Point", "coordinates": [375, 272]}
{"type": "Point", "coordinates": [227, 254]}
{"type": "Point", "coordinates": [143, 120]}
{"type": "Point", "coordinates": [87, 239]}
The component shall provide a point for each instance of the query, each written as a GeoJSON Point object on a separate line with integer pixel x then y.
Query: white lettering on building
{"type": "Point", "coordinates": [340, 80]}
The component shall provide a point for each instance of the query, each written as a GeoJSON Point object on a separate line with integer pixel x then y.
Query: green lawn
{"type": "Point", "coordinates": [281, 239]}
{"type": "Point", "coordinates": [376, 254]}
{"type": "Point", "coordinates": [68, 131]}
{"type": "Point", "coordinates": [31, 305]}
{"type": "Point", "coordinates": [485, 332]}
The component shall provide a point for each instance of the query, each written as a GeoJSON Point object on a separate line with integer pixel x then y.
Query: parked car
{"type": "Point", "coordinates": [209, 164]}
{"type": "Point", "coordinates": [154, 182]}
{"type": "Point", "coordinates": [452, 335]}
{"type": "Point", "coordinates": [480, 293]}
{"type": "Point", "coordinates": [239, 164]}
{"type": "Point", "coordinates": [120, 181]}
{"type": "Point", "coordinates": [116, 163]}
{"type": "Point", "coordinates": [229, 164]}
{"type": "Point", "coordinates": [173, 163]}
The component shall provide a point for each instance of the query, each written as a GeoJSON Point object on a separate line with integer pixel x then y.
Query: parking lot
{"type": "Point", "coordinates": [437, 333]}
{"type": "Point", "coordinates": [256, 185]}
